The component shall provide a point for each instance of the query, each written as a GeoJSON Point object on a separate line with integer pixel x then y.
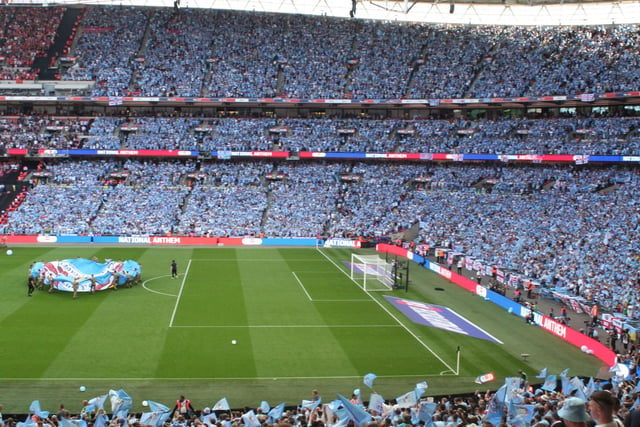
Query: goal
{"type": "Point", "coordinates": [372, 272]}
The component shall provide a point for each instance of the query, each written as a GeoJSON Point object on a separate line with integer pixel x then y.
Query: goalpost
{"type": "Point", "coordinates": [372, 272]}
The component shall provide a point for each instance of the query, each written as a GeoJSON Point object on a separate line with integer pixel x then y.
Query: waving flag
{"type": "Point", "coordinates": [157, 415]}
{"type": "Point", "coordinates": [520, 415]}
{"type": "Point", "coordinates": [495, 409]}
{"type": "Point", "coordinates": [28, 422]}
{"type": "Point", "coordinates": [407, 400]}
{"type": "Point", "coordinates": [250, 419]}
{"type": "Point", "coordinates": [355, 412]}
{"type": "Point", "coordinates": [157, 407]}
{"type": "Point", "coordinates": [368, 380]}
{"type": "Point", "coordinates": [579, 387]}
{"type": "Point", "coordinates": [513, 388]}
{"type": "Point", "coordinates": [98, 402]}
{"type": "Point", "coordinates": [567, 386]}
{"type": "Point", "coordinates": [550, 383]}
{"type": "Point", "coordinates": [421, 388]}
{"type": "Point", "coordinates": [376, 403]}
{"type": "Point", "coordinates": [264, 407]}
{"type": "Point", "coordinates": [34, 408]}
{"type": "Point", "coordinates": [121, 403]}
{"type": "Point", "coordinates": [424, 412]}
{"type": "Point", "coordinates": [150, 418]}
{"type": "Point", "coordinates": [338, 409]}
{"type": "Point", "coordinates": [275, 413]}
{"type": "Point", "coordinates": [100, 420]}
{"type": "Point", "coordinates": [590, 388]}
{"type": "Point", "coordinates": [542, 374]}
{"type": "Point", "coordinates": [66, 422]}
{"type": "Point", "coordinates": [208, 417]}
{"type": "Point", "coordinates": [311, 404]}
{"type": "Point", "coordinates": [221, 405]}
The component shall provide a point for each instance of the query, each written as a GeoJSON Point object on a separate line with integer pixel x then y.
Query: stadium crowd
{"type": "Point", "coordinates": [561, 135]}
{"type": "Point", "coordinates": [562, 402]}
{"type": "Point", "coordinates": [193, 53]}
{"type": "Point", "coordinates": [224, 54]}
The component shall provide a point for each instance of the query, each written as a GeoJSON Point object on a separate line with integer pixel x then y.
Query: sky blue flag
{"type": "Point", "coordinates": [221, 405]}
{"type": "Point", "coordinates": [550, 383]}
{"type": "Point", "coordinates": [542, 374]}
{"type": "Point", "coordinates": [520, 415]}
{"type": "Point", "coordinates": [591, 387]}
{"type": "Point", "coordinates": [264, 407]}
{"type": "Point", "coordinates": [66, 422]}
{"type": "Point", "coordinates": [98, 401]}
{"type": "Point", "coordinates": [564, 373]}
{"type": "Point", "coordinates": [209, 419]}
{"type": "Point", "coordinates": [512, 388]}
{"type": "Point", "coordinates": [421, 388]}
{"type": "Point", "coordinates": [28, 422]}
{"type": "Point", "coordinates": [501, 393]}
{"type": "Point", "coordinates": [376, 403]}
{"type": "Point", "coordinates": [100, 420]}
{"type": "Point", "coordinates": [121, 403]}
{"type": "Point", "coordinates": [579, 387]}
{"type": "Point", "coordinates": [368, 380]}
{"type": "Point", "coordinates": [275, 413]}
{"type": "Point", "coordinates": [34, 408]}
{"type": "Point", "coordinates": [250, 419]}
{"type": "Point", "coordinates": [157, 407]}
{"type": "Point", "coordinates": [567, 387]}
{"type": "Point", "coordinates": [338, 410]}
{"type": "Point", "coordinates": [149, 418]}
{"type": "Point", "coordinates": [424, 412]}
{"type": "Point", "coordinates": [157, 415]}
{"type": "Point", "coordinates": [311, 404]}
{"type": "Point", "coordinates": [407, 400]}
{"type": "Point", "coordinates": [495, 409]}
{"type": "Point", "coordinates": [356, 413]}
{"type": "Point", "coordinates": [156, 418]}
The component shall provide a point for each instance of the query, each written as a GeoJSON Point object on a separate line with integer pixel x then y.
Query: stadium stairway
{"type": "Point", "coordinates": [11, 187]}
{"type": "Point", "coordinates": [61, 44]}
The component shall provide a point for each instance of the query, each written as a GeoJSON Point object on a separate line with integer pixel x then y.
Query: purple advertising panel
{"type": "Point", "coordinates": [439, 317]}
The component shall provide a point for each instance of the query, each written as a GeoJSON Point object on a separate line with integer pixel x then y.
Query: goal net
{"type": "Point", "coordinates": [372, 272]}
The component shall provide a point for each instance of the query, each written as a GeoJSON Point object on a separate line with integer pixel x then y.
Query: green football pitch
{"type": "Point", "coordinates": [299, 322]}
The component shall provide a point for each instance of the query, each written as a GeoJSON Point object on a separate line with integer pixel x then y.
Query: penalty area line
{"type": "Point", "coordinates": [301, 285]}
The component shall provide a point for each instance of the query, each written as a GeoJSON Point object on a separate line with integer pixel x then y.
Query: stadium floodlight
{"type": "Point", "coordinates": [372, 272]}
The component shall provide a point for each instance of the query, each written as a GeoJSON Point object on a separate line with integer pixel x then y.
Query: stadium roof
{"type": "Point", "coordinates": [480, 12]}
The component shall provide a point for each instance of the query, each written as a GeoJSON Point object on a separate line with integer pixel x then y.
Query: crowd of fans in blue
{"type": "Point", "coordinates": [195, 52]}
{"type": "Point", "coordinates": [516, 403]}
{"type": "Point", "coordinates": [571, 227]}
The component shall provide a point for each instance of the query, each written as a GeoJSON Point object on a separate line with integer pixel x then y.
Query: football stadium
{"type": "Point", "coordinates": [318, 214]}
